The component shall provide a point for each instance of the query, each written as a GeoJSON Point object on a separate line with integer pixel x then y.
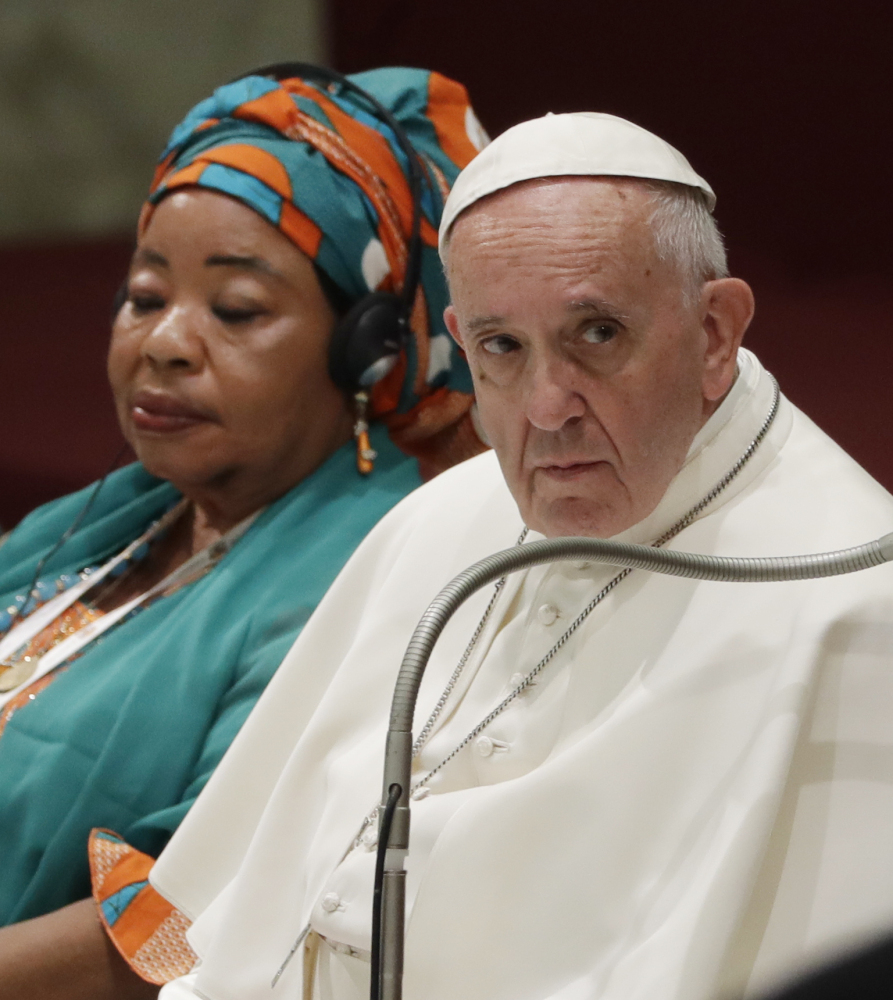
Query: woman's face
{"type": "Point", "coordinates": [218, 358]}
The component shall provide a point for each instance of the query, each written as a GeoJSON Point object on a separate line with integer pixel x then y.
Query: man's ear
{"type": "Point", "coordinates": [452, 324]}
{"type": "Point", "coordinates": [726, 309]}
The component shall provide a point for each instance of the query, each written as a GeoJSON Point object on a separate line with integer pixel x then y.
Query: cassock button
{"type": "Point", "coordinates": [582, 564]}
{"type": "Point", "coordinates": [484, 745]}
{"type": "Point", "coordinates": [547, 614]}
{"type": "Point", "coordinates": [516, 680]}
{"type": "Point", "coordinates": [330, 902]}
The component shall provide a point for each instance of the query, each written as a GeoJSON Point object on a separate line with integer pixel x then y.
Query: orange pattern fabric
{"type": "Point", "coordinates": [261, 164]}
{"type": "Point", "coordinates": [450, 119]}
{"type": "Point", "coordinates": [149, 933]}
{"type": "Point", "coordinates": [314, 160]}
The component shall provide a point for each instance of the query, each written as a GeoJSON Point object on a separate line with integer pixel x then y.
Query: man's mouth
{"type": "Point", "coordinates": [567, 470]}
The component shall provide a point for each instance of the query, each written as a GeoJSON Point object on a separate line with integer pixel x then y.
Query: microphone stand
{"type": "Point", "coordinates": [393, 846]}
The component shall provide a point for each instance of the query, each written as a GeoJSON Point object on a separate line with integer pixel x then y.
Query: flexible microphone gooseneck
{"type": "Point", "coordinates": [393, 844]}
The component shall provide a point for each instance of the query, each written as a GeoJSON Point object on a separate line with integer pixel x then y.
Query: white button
{"type": "Point", "coordinates": [369, 839]}
{"type": "Point", "coordinates": [421, 793]}
{"type": "Point", "coordinates": [484, 745]}
{"type": "Point", "coordinates": [582, 564]}
{"type": "Point", "coordinates": [330, 902]}
{"type": "Point", "coordinates": [547, 614]}
{"type": "Point", "coordinates": [347, 949]}
{"type": "Point", "coordinates": [516, 680]}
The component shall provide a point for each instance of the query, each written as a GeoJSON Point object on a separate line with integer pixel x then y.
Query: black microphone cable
{"type": "Point", "coordinates": [384, 834]}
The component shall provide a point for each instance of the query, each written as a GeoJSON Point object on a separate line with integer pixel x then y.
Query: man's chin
{"type": "Point", "coordinates": [576, 516]}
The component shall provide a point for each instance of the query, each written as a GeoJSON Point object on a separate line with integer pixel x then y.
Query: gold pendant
{"type": "Point", "coordinates": [14, 674]}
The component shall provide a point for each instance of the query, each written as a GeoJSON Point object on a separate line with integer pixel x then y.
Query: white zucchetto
{"type": "Point", "coordinates": [583, 143]}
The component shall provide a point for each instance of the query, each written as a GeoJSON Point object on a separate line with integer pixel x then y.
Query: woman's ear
{"type": "Point", "coordinates": [726, 311]}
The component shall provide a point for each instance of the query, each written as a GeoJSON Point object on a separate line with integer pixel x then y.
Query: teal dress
{"type": "Point", "coordinates": [126, 737]}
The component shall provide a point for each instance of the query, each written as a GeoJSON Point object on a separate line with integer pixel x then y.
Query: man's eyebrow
{"type": "Point", "coordinates": [250, 263]}
{"type": "Point", "coordinates": [593, 306]}
{"type": "Point", "coordinates": [483, 322]}
{"type": "Point", "coordinates": [596, 306]}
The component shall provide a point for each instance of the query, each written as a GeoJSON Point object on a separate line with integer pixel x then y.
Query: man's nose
{"type": "Point", "coordinates": [552, 396]}
{"type": "Point", "coordinates": [174, 341]}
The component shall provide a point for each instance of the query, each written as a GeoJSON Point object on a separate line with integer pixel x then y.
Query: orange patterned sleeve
{"type": "Point", "coordinates": [146, 929]}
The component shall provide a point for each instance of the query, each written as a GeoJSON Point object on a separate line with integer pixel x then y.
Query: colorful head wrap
{"type": "Point", "coordinates": [318, 164]}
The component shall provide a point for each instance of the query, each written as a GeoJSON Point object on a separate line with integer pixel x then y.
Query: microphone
{"type": "Point", "coordinates": [389, 906]}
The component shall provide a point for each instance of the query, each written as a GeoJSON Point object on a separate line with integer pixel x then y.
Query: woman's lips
{"type": "Point", "coordinates": [163, 413]}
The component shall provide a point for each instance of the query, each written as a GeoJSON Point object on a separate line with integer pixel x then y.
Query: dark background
{"type": "Point", "coordinates": [783, 106]}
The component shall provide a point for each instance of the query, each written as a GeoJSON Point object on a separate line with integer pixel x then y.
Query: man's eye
{"type": "Point", "coordinates": [499, 345]}
{"type": "Point", "coordinates": [599, 333]}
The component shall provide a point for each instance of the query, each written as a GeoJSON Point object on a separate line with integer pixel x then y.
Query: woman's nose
{"type": "Point", "coordinates": [174, 340]}
{"type": "Point", "coordinates": [551, 394]}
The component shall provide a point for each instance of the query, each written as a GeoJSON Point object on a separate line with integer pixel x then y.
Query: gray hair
{"type": "Point", "coordinates": [686, 234]}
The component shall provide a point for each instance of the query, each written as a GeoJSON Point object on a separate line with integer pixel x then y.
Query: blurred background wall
{"type": "Point", "coordinates": [782, 104]}
{"type": "Point", "coordinates": [90, 89]}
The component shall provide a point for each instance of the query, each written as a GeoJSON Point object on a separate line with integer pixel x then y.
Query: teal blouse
{"type": "Point", "coordinates": [127, 735]}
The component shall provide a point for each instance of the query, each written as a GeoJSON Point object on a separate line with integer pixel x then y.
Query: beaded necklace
{"type": "Point", "coordinates": [63, 646]}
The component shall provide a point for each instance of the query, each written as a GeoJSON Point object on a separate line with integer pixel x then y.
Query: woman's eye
{"type": "Point", "coordinates": [237, 315]}
{"type": "Point", "coordinates": [499, 344]}
{"type": "Point", "coordinates": [599, 333]}
{"type": "Point", "coordinates": [144, 302]}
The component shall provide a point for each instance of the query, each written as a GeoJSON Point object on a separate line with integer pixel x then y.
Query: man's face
{"type": "Point", "coordinates": [592, 373]}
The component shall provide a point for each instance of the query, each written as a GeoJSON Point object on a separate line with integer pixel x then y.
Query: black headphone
{"type": "Point", "coordinates": [367, 340]}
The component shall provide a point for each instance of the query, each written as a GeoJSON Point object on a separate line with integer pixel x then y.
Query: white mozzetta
{"type": "Point", "coordinates": [695, 797]}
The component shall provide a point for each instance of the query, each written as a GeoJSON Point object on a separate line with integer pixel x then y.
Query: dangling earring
{"type": "Point", "coordinates": [366, 454]}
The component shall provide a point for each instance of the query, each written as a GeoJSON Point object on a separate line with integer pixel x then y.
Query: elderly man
{"type": "Point", "coordinates": [628, 786]}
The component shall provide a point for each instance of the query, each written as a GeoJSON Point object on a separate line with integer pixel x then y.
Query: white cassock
{"type": "Point", "coordinates": [696, 796]}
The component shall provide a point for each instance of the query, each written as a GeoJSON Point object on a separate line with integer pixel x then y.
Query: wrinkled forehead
{"type": "Point", "coordinates": [556, 212]}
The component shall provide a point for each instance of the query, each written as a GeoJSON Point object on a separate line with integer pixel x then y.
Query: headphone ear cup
{"type": "Point", "coordinates": [367, 341]}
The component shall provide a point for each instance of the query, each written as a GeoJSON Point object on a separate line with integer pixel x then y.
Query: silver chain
{"type": "Point", "coordinates": [460, 666]}
{"type": "Point", "coordinates": [685, 521]}
{"type": "Point", "coordinates": [680, 525]}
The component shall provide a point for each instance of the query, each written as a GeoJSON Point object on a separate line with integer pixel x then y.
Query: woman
{"type": "Point", "coordinates": [150, 633]}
